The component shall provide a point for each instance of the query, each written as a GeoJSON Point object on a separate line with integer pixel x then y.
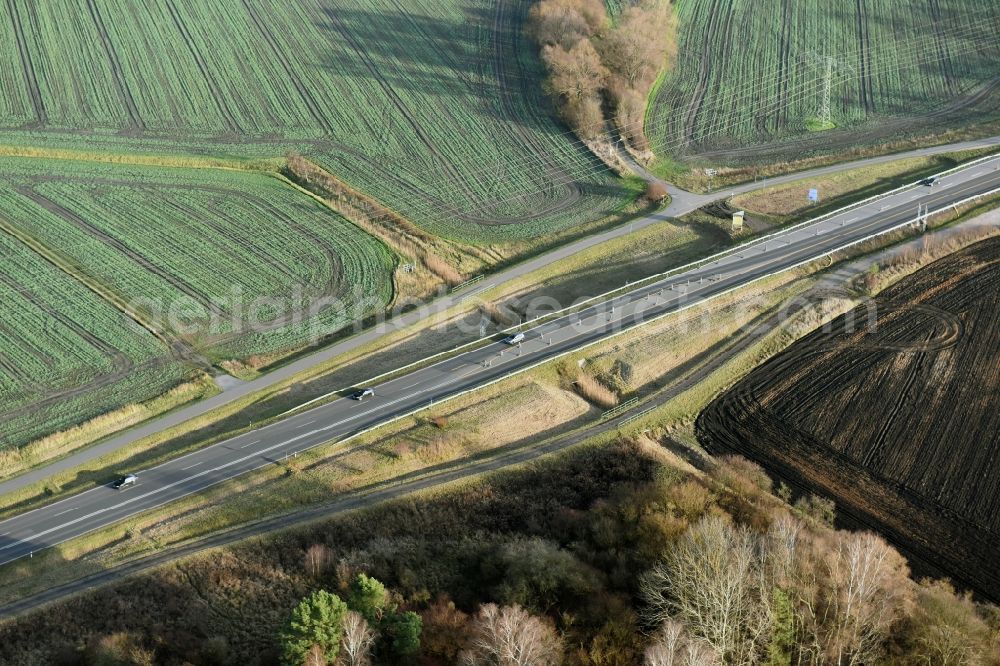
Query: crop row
{"type": "Point", "coordinates": [434, 107]}
{"type": "Point", "coordinates": [745, 75]}
{"type": "Point", "coordinates": [66, 354]}
{"type": "Point", "coordinates": [212, 251]}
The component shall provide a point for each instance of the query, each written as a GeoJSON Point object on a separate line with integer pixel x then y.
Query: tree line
{"type": "Point", "coordinates": [599, 70]}
{"type": "Point", "coordinates": [608, 555]}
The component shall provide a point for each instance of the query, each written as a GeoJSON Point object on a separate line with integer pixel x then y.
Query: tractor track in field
{"type": "Point", "coordinates": [117, 73]}
{"type": "Point", "coordinates": [235, 242]}
{"type": "Point", "coordinates": [52, 398]}
{"type": "Point", "coordinates": [390, 92]}
{"type": "Point", "coordinates": [282, 59]}
{"type": "Point", "coordinates": [190, 353]}
{"type": "Point", "coordinates": [227, 117]}
{"type": "Point", "coordinates": [694, 106]}
{"type": "Point", "coordinates": [292, 314]}
{"type": "Point", "coordinates": [121, 364]}
{"type": "Point", "coordinates": [947, 69]}
{"type": "Point", "coordinates": [147, 265]}
{"type": "Point", "coordinates": [784, 55]}
{"type": "Point", "coordinates": [504, 19]}
{"type": "Point", "coordinates": [864, 65]}
{"type": "Point", "coordinates": [31, 78]}
{"type": "Point", "coordinates": [872, 452]}
{"type": "Point", "coordinates": [6, 363]}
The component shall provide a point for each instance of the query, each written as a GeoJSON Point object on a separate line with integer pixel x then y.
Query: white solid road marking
{"type": "Point", "coordinates": [156, 491]}
{"type": "Point", "coordinates": [153, 492]}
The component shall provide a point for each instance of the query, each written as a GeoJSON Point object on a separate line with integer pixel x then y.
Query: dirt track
{"type": "Point", "coordinates": [898, 424]}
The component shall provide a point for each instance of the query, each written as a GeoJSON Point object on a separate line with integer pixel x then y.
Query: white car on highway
{"type": "Point", "coordinates": [125, 482]}
{"type": "Point", "coordinates": [361, 394]}
{"type": "Point", "coordinates": [515, 339]}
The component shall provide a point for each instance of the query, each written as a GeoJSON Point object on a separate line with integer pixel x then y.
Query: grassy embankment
{"type": "Point", "coordinates": [628, 259]}
{"type": "Point", "coordinates": [474, 427]}
{"type": "Point", "coordinates": [788, 203]}
{"type": "Point", "coordinates": [649, 251]}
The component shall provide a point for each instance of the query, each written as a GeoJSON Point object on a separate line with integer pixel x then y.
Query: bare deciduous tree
{"type": "Point", "coordinates": [576, 77]}
{"type": "Point", "coordinates": [575, 73]}
{"type": "Point", "coordinates": [318, 559]}
{"type": "Point", "coordinates": [315, 657]}
{"type": "Point", "coordinates": [621, 69]}
{"type": "Point", "coordinates": [585, 117]}
{"type": "Point", "coordinates": [356, 644]}
{"type": "Point", "coordinates": [673, 647]}
{"type": "Point", "coordinates": [565, 22]}
{"type": "Point", "coordinates": [510, 636]}
{"type": "Point", "coordinates": [869, 590]}
{"type": "Point", "coordinates": [637, 46]}
{"type": "Point", "coordinates": [715, 581]}
{"type": "Point", "coordinates": [782, 544]}
{"type": "Point", "coordinates": [656, 191]}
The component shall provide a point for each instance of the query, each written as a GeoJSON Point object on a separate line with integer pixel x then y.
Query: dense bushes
{"type": "Point", "coordinates": [595, 64]}
{"type": "Point", "coordinates": [602, 556]}
{"type": "Point", "coordinates": [324, 629]}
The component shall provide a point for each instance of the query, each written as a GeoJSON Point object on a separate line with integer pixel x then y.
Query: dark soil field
{"type": "Point", "coordinates": [898, 423]}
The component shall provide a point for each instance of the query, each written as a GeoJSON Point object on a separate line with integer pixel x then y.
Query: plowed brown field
{"type": "Point", "coordinates": [898, 421]}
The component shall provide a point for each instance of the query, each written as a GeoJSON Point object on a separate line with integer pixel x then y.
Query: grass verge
{"type": "Point", "coordinates": [526, 410]}
{"type": "Point", "coordinates": [692, 177]}
{"type": "Point", "coordinates": [789, 203]}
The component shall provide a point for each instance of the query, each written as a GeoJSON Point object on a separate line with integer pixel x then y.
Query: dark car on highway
{"type": "Point", "coordinates": [929, 182]}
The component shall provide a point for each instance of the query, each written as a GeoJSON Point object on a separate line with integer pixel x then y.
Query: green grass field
{"type": "Point", "coordinates": [222, 264]}
{"type": "Point", "coordinates": [432, 106]}
{"type": "Point", "coordinates": [208, 253]}
{"type": "Point", "coordinates": [746, 76]}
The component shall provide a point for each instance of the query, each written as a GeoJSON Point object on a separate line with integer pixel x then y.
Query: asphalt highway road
{"type": "Point", "coordinates": [22, 535]}
{"type": "Point", "coordinates": [682, 202]}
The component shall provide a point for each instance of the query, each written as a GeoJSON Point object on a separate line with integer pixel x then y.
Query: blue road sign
{"type": "Point", "coordinates": [814, 195]}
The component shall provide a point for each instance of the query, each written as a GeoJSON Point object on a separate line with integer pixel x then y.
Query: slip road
{"type": "Point", "coordinates": [41, 528]}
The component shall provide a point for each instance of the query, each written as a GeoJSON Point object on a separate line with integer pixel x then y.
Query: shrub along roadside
{"type": "Point", "coordinates": [594, 553]}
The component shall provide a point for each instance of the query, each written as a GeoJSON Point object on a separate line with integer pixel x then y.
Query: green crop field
{"type": "Point", "coordinates": [745, 76]}
{"type": "Point", "coordinates": [235, 263]}
{"type": "Point", "coordinates": [224, 265]}
{"type": "Point", "coordinates": [432, 106]}
{"type": "Point", "coordinates": [66, 354]}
